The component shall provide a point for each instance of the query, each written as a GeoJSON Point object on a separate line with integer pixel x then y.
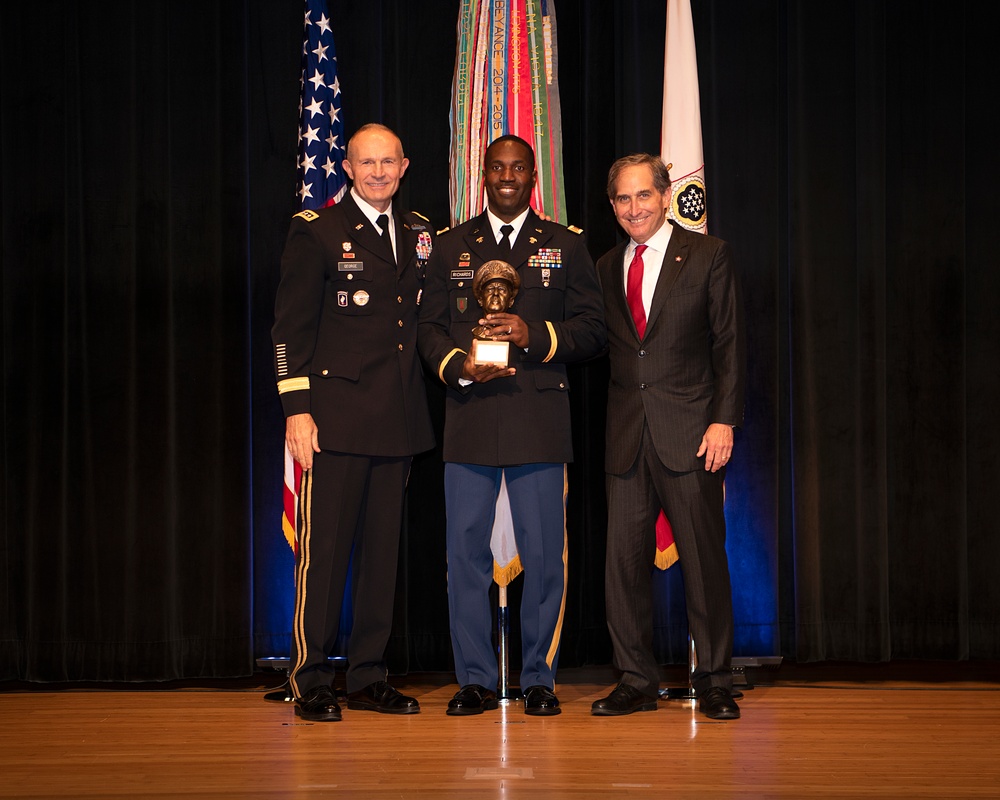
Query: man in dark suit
{"type": "Point", "coordinates": [508, 422]}
{"type": "Point", "coordinates": [351, 386]}
{"type": "Point", "coordinates": [676, 336]}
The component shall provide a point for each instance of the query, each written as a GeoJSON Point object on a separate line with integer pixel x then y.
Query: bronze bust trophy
{"type": "Point", "coordinates": [495, 286]}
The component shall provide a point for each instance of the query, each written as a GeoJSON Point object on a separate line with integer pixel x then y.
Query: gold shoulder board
{"type": "Point", "coordinates": [308, 215]}
{"type": "Point", "coordinates": [574, 229]}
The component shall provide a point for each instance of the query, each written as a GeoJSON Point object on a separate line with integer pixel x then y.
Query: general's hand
{"type": "Point", "coordinates": [716, 446]}
{"type": "Point", "coordinates": [302, 438]}
{"type": "Point", "coordinates": [507, 328]}
{"type": "Point", "coordinates": [480, 373]}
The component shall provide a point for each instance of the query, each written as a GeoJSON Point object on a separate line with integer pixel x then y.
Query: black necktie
{"type": "Point", "coordinates": [383, 223]}
{"type": "Point", "coordinates": [505, 231]}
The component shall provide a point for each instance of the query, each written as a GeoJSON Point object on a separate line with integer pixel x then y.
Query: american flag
{"type": "Point", "coordinates": [322, 147]}
{"type": "Point", "coordinates": [321, 181]}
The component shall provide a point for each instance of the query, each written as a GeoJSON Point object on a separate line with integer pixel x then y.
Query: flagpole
{"type": "Point", "coordinates": [686, 693]}
{"type": "Point", "coordinates": [504, 691]}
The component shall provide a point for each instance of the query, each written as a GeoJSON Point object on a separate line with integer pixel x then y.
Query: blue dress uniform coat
{"type": "Point", "coordinates": [518, 426]}
{"type": "Point", "coordinates": [345, 349]}
{"type": "Point", "coordinates": [686, 372]}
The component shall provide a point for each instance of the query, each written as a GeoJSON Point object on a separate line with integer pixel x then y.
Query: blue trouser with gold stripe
{"type": "Point", "coordinates": [537, 494]}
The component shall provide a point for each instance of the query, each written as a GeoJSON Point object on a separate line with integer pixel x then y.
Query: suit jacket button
{"type": "Point", "coordinates": [643, 386]}
{"type": "Point", "coordinates": [642, 354]}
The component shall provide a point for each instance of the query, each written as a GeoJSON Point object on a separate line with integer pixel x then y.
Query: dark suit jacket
{"type": "Point", "coordinates": [523, 419]}
{"type": "Point", "coordinates": [689, 370]}
{"type": "Point", "coordinates": [345, 331]}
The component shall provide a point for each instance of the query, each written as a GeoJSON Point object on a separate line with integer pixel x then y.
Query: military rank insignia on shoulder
{"type": "Point", "coordinates": [308, 215]}
{"type": "Point", "coordinates": [574, 229]}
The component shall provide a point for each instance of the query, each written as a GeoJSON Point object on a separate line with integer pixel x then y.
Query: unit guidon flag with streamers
{"type": "Point", "coordinates": [506, 81]}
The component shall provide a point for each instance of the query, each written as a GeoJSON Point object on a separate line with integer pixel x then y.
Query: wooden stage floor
{"type": "Point", "coordinates": [891, 731]}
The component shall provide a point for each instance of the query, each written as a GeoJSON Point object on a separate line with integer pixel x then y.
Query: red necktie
{"type": "Point", "coordinates": [633, 290]}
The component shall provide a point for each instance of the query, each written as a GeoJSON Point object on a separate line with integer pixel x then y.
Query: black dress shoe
{"type": "Point", "coordinates": [472, 699]}
{"type": "Point", "coordinates": [718, 703]}
{"type": "Point", "coordinates": [381, 697]}
{"type": "Point", "coordinates": [624, 699]}
{"type": "Point", "coordinates": [541, 701]}
{"type": "Point", "coordinates": [318, 705]}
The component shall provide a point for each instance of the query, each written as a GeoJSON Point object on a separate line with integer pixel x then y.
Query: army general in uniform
{"type": "Point", "coordinates": [352, 390]}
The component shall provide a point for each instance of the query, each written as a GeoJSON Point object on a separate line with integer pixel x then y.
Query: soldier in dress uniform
{"type": "Point", "coordinates": [509, 421]}
{"type": "Point", "coordinates": [352, 390]}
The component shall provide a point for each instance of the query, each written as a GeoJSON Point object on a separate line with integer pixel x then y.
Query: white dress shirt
{"type": "Point", "coordinates": [652, 261]}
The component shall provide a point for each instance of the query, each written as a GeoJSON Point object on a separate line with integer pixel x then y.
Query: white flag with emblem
{"type": "Point", "coordinates": [680, 135]}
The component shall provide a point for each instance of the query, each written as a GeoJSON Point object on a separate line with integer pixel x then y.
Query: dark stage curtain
{"type": "Point", "coordinates": [126, 319]}
{"type": "Point", "coordinates": [148, 167]}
